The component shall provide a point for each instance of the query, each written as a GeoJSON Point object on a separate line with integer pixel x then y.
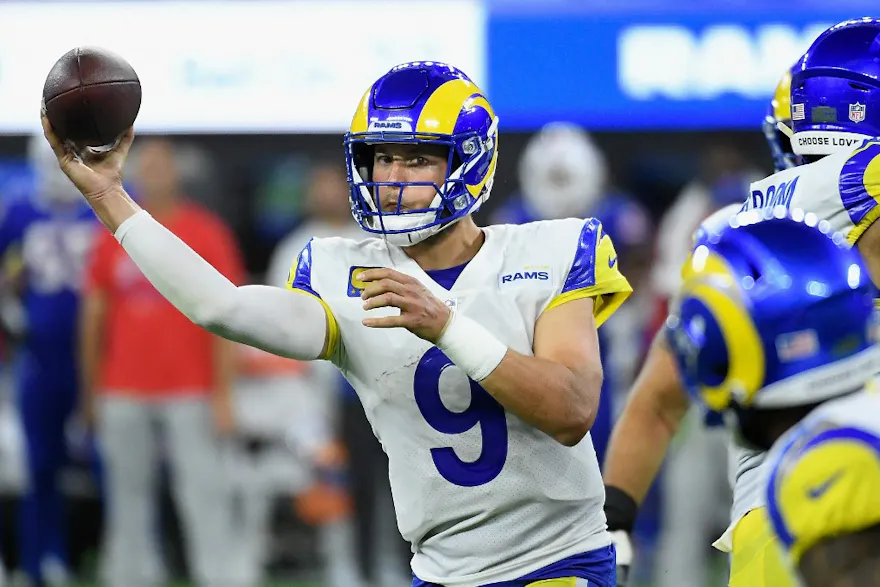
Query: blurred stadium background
{"type": "Point", "coordinates": [256, 95]}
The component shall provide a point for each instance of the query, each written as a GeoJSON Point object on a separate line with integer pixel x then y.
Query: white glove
{"type": "Point", "coordinates": [623, 546]}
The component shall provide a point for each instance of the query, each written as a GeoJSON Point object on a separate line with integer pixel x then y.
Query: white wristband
{"type": "Point", "coordinates": [471, 347]}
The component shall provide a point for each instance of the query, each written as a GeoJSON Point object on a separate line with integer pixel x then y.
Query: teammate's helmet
{"type": "Point", "coordinates": [775, 312]}
{"type": "Point", "coordinates": [714, 224]}
{"type": "Point", "coordinates": [835, 89]}
{"type": "Point", "coordinates": [562, 172]}
{"type": "Point", "coordinates": [423, 102]}
{"type": "Point", "coordinates": [778, 111]}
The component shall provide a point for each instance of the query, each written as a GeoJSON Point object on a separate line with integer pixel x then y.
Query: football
{"type": "Point", "coordinates": [91, 97]}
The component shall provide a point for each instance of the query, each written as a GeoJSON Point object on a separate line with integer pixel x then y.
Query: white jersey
{"type": "Point", "coordinates": [481, 495]}
{"type": "Point", "coordinates": [747, 481]}
{"type": "Point", "coordinates": [824, 474]}
{"type": "Point", "coordinates": [841, 189]}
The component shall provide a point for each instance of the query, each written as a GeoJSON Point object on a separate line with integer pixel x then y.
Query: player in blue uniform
{"type": "Point", "coordinates": [50, 233]}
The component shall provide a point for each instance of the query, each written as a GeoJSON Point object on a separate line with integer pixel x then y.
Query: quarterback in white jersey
{"type": "Point", "coordinates": [470, 480]}
{"type": "Point", "coordinates": [755, 340]}
{"type": "Point", "coordinates": [474, 351]}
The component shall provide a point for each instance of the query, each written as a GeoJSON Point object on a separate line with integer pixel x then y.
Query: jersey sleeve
{"type": "Point", "coordinates": [859, 187]}
{"type": "Point", "coordinates": [300, 279]}
{"type": "Point", "coordinates": [823, 482]}
{"type": "Point", "coordinates": [592, 271]}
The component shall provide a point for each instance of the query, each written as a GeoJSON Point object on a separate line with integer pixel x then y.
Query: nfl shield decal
{"type": "Point", "coordinates": [857, 112]}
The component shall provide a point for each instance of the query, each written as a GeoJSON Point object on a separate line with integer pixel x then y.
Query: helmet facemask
{"type": "Point", "coordinates": [469, 158]}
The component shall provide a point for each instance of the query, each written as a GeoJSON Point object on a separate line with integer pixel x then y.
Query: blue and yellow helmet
{"type": "Point", "coordinates": [835, 89]}
{"type": "Point", "coordinates": [770, 302]}
{"type": "Point", "coordinates": [779, 111]}
{"type": "Point", "coordinates": [423, 102]}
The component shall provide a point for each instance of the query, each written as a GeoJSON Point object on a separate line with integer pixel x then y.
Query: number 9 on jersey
{"type": "Point", "coordinates": [483, 411]}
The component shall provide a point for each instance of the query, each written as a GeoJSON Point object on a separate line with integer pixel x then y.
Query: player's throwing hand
{"type": "Point", "coordinates": [94, 173]}
{"type": "Point", "coordinates": [420, 311]}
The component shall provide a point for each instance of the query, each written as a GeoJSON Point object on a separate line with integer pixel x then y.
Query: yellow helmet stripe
{"type": "Point", "coordinates": [745, 351]}
{"type": "Point", "coordinates": [361, 121]}
{"type": "Point", "coordinates": [782, 98]}
{"type": "Point", "coordinates": [442, 109]}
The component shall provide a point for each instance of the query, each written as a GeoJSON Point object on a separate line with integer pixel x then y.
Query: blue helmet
{"type": "Point", "coordinates": [779, 111]}
{"type": "Point", "coordinates": [835, 89]}
{"type": "Point", "coordinates": [423, 102]}
{"type": "Point", "coordinates": [775, 312]}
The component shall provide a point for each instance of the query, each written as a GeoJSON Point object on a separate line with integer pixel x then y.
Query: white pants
{"type": "Point", "coordinates": [131, 433]}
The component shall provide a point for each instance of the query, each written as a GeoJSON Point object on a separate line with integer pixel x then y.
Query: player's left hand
{"type": "Point", "coordinates": [420, 311]}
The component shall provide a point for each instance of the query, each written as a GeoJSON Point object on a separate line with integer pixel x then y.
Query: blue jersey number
{"type": "Point", "coordinates": [55, 253]}
{"type": "Point", "coordinates": [483, 410]}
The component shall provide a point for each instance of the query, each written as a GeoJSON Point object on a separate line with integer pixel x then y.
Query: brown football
{"type": "Point", "coordinates": [91, 96]}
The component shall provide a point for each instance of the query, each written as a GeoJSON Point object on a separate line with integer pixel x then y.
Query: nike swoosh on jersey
{"type": "Point", "coordinates": [821, 489]}
{"type": "Point", "coordinates": [612, 261]}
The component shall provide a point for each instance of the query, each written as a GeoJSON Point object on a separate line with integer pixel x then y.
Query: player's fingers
{"type": "Point", "coordinates": [382, 286]}
{"type": "Point", "coordinates": [369, 275]}
{"type": "Point", "coordinates": [68, 159]}
{"type": "Point", "coordinates": [125, 142]}
{"type": "Point", "coordinates": [378, 273]}
{"type": "Point", "coordinates": [385, 300]}
{"type": "Point", "coordinates": [48, 132]}
{"type": "Point", "coordinates": [385, 322]}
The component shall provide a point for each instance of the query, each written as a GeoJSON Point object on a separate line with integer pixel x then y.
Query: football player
{"type": "Point", "coordinates": [657, 406]}
{"type": "Point", "coordinates": [473, 350]}
{"type": "Point", "coordinates": [835, 98]}
{"type": "Point", "coordinates": [783, 343]}
{"type": "Point", "coordinates": [50, 232]}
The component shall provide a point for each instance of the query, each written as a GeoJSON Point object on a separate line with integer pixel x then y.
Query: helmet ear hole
{"type": "Point", "coordinates": [362, 155]}
{"type": "Point", "coordinates": [456, 161]}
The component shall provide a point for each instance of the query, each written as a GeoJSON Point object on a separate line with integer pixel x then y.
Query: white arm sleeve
{"type": "Point", "coordinates": [282, 322]}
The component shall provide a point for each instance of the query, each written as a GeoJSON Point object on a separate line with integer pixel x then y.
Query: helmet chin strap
{"type": "Point", "coordinates": [407, 239]}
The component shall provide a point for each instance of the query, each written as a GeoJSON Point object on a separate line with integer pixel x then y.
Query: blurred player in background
{"type": "Point", "coordinates": [314, 428]}
{"type": "Point", "coordinates": [692, 514]}
{"type": "Point", "coordinates": [381, 553]}
{"type": "Point", "coordinates": [752, 336]}
{"type": "Point", "coordinates": [153, 381]}
{"type": "Point", "coordinates": [474, 351]}
{"type": "Point", "coordinates": [49, 234]}
{"type": "Point", "coordinates": [564, 174]}
{"type": "Point", "coordinates": [653, 416]}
